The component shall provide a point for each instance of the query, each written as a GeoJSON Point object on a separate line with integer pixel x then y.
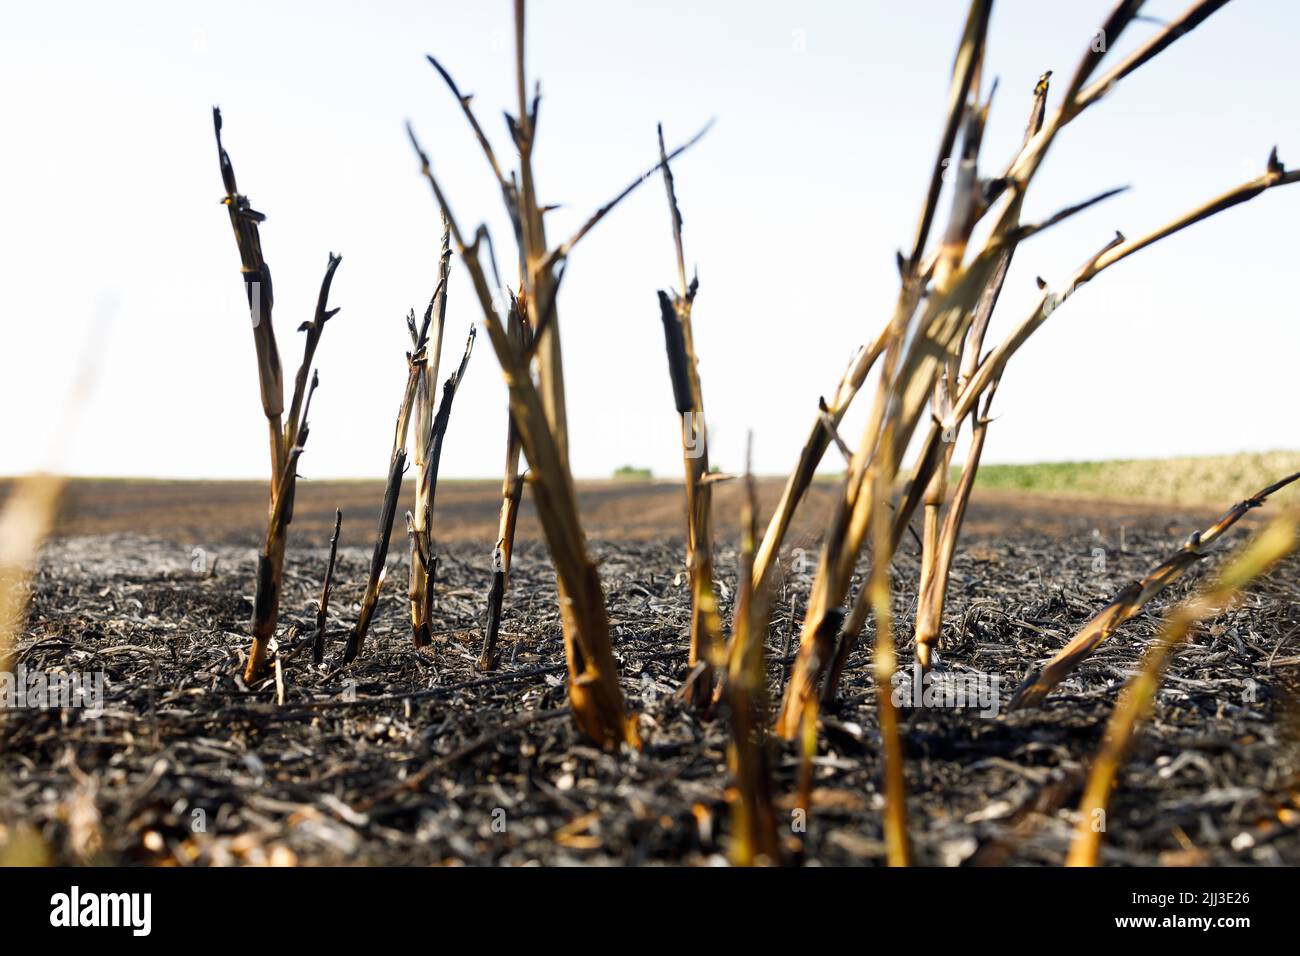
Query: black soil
{"type": "Point", "coordinates": [417, 757]}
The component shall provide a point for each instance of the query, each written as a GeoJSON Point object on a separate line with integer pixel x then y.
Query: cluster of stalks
{"type": "Point", "coordinates": [537, 409]}
{"type": "Point", "coordinates": [932, 359]}
{"type": "Point", "coordinates": [289, 435]}
{"type": "Point", "coordinates": [288, 432]}
{"type": "Point", "coordinates": [430, 429]}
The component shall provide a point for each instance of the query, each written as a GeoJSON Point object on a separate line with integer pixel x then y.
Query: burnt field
{"type": "Point", "coordinates": [416, 757]}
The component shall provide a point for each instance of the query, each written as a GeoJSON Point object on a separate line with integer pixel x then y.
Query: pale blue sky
{"type": "Point", "coordinates": [828, 115]}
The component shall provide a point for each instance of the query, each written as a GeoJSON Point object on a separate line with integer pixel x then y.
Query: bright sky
{"type": "Point", "coordinates": [828, 116]}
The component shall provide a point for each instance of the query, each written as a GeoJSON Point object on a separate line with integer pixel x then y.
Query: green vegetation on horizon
{"type": "Point", "coordinates": [1214, 480]}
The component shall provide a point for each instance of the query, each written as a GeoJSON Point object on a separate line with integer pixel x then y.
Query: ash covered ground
{"type": "Point", "coordinates": [417, 757]}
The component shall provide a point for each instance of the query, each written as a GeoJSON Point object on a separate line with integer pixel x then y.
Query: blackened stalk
{"type": "Point", "coordinates": [512, 487]}
{"type": "Point", "coordinates": [392, 491]}
{"type": "Point", "coordinates": [322, 612]}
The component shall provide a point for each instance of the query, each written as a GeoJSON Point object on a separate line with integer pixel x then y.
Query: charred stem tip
{"type": "Point", "coordinates": [1274, 163]}
{"type": "Point", "coordinates": [415, 144]}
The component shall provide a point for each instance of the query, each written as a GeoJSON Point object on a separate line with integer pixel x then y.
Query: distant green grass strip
{"type": "Point", "coordinates": [1219, 480]}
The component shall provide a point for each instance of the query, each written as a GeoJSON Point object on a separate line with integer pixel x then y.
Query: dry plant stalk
{"type": "Point", "coordinates": [420, 588]}
{"type": "Point", "coordinates": [879, 589]}
{"type": "Point", "coordinates": [1275, 542]}
{"type": "Point", "coordinates": [538, 410]}
{"type": "Point", "coordinates": [323, 609]}
{"type": "Point", "coordinates": [1131, 599]}
{"type": "Point", "coordinates": [688, 397]}
{"type": "Point", "coordinates": [754, 830]}
{"type": "Point", "coordinates": [431, 429]}
{"type": "Point", "coordinates": [25, 522]}
{"type": "Point", "coordinates": [934, 585]}
{"type": "Point", "coordinates": [287, 437]}
{"type": "Point", "coordinates": [512, 488]}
